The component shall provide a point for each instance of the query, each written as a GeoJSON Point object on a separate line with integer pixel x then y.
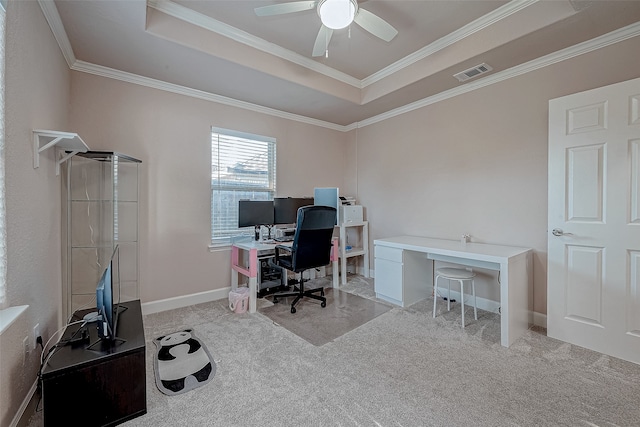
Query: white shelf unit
{"type": "Point", "coordinates": [362, 248]}
{"type": "Point", "coordinates": [65, 141]}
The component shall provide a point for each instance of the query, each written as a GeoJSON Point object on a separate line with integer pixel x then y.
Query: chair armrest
{"type": "Point", "coordinates": [285, 248]}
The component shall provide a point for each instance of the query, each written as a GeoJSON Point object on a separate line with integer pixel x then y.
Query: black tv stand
{"type": "Point", "coordinates": [104, 342]}
{"type": "Point", "coordinates": [104, 386]}
{"type": "Point", "coordinates": [113, 339]}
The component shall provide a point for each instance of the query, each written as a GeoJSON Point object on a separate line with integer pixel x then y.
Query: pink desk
{"type": "Point", "coordinates": [251, 272]}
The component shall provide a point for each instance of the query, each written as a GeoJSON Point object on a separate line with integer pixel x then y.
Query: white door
{"type": "Point", "coordinates": [593, 297]}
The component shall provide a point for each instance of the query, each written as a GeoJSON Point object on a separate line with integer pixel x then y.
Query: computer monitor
{"type": "Point", "coordinates": [252, 213]}
{"type": "Point", "coordinates": [108, 302]}
{"type": "Point", "coordinates": [328, 196]}
{"type": "Point", "coordinates": [286, 208]}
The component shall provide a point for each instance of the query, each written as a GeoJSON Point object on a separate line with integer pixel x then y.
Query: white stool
{"type": "Point", "coordinates": [461, 275]}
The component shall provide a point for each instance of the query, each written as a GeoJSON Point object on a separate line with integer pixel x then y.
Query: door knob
{"type": "Point", "coordinates": [559, 232]}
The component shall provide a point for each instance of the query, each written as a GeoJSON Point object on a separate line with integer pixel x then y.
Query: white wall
{"type": "Point", "coordinates": [37, 97]}
{"type": "Point", "coordinates": [170, 133]}
{"type": "Point", "coordinates": [477, 163]}
{"type": "Point", "coordinates": [488, 147]}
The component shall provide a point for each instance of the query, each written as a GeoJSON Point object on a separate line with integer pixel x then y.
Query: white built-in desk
{"type": "Point", "coordinates": [404, 274]}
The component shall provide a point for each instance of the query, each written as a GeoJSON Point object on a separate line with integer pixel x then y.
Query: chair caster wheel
{"type": "Point", "coordinates": [275, 300]}
{"type": "Point", "coordinates": [293, 310]}
{"type": "Point", "coordinates": [323, 304]}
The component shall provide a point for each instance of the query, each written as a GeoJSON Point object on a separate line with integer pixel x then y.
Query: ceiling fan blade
{"type": "Point", "coordinates": [322, 41]}
{"type": "Point", "coordinates": [282, 8]}
{"type": "Point", "coordinates": [375, 25]}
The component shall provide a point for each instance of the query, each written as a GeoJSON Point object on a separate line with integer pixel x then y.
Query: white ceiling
{"type": "Point", "coordinates": [221, 50]}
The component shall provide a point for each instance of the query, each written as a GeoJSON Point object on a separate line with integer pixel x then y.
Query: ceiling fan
{"type": "Point", "coordinates": [335, 15]}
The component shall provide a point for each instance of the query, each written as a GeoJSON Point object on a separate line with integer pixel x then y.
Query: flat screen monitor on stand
{"type": "Point", "coordinates": [108, 303]}
{"type": "Point", "coordinates": [286, 208]}
{"type": "Point", "coordinates": [328, 196]}
{"type": "Point", "coordinates": [256, 213]}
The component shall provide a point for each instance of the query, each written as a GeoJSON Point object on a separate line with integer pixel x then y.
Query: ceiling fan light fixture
{"type": "Point", "coordinates": [337, 14]}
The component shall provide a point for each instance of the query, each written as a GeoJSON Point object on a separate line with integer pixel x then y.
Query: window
{"type": "Point", "coordinates": [243, 166]}
{"type": "Point", "coordinates": [3, 231]}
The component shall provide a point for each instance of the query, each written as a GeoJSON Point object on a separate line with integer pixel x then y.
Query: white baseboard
{"type": "Point", "coordinates": [24, 405]}
{"type": "Point", "coordinates": [538, 319]}
{"type": "Point", "coordinates": [483, 303]}
{"type": "Point", "coordinates": [184, 300]}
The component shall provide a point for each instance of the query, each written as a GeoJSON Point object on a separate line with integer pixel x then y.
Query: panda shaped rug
{"type": "Point", "coordinates": [182, 363]}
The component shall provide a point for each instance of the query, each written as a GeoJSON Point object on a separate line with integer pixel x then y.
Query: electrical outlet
{"type": "Point", "coordinates": [36, 334]}
{"type": "Point", "coordinates": [25, 346]}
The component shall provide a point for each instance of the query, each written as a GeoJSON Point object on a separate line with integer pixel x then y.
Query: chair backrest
{"type": "Point", "coordinates": [312, 241]}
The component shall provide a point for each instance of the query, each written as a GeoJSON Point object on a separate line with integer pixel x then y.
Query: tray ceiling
{"type": "Point", "coordinates": [223, 50]}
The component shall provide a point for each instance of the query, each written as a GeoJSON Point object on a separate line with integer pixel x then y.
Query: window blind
{"type": "Point", "coordinates": [243, 166]}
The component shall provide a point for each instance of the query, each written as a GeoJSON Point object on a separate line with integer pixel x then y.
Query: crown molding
{"type": "Point", "coordinates": [471, 28]}
{"type": "Point", "coordinates": [51, 13]}
{"type": "Point", "coordinates": [111, 73]}
{"type": "Point", "coordinates": [52, 16]}
{"type": "Point", "coordinates": [613, 37]}
{"type": "Point", "coordinates": [188, 15]}
{"type": "Point", "coordinates": [617, 36]}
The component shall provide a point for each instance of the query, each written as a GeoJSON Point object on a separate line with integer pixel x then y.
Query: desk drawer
{"type": "Point", "coordinates": [388, 282]}
{"type": "Point", "coordinates": [391, 254]}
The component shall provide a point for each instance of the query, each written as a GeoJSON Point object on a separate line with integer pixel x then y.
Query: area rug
{"type": "Point", "coordinates": [344, 312]}
{"type": "Point", "coordinates": [182, 363]}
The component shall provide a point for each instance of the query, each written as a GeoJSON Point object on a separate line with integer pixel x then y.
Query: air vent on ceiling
{"type": "Point", "coordinates": [579, 5]}
{"type": "Point", "coordinates": [473, 72]}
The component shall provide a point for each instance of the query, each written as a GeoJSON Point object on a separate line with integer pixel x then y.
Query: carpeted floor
{"type": "Point", "coordinates": [402, 368]}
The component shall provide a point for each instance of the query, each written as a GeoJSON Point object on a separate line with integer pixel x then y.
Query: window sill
{"type": "Point", "coordinates": [9, 315]}
{"type": "Point", "coordinates": [225, 243]}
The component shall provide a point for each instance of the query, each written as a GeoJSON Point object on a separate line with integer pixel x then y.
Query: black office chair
{"type": "Point", "coordinates": [311, 248]}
